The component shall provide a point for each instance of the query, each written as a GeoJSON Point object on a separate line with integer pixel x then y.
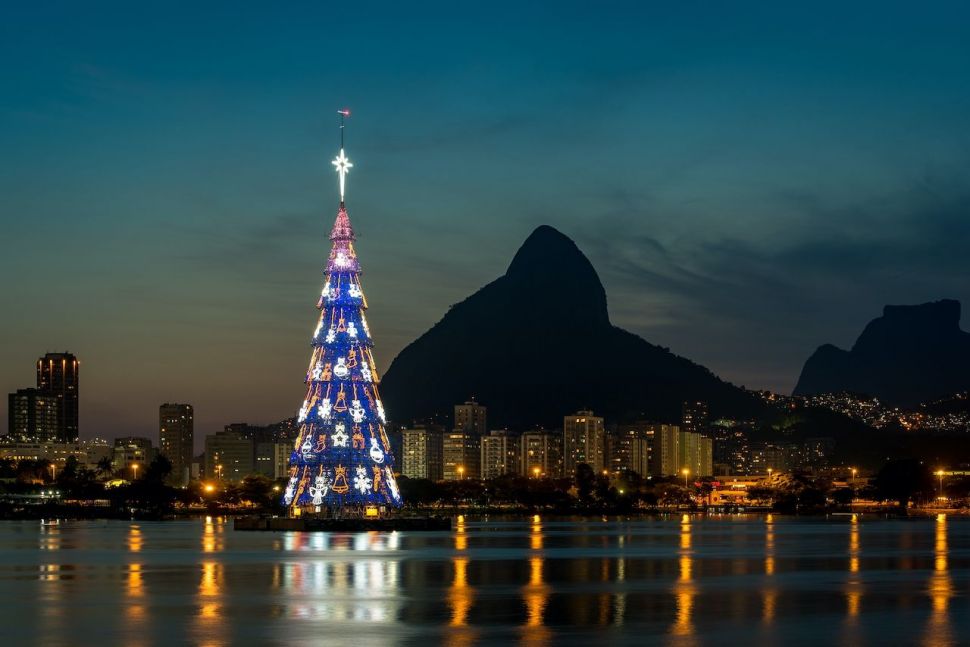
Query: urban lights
{"type": "Point", "coordinates": [686, 473]}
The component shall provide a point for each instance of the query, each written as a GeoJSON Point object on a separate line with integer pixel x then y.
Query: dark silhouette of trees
{"type": "Point", "coordinates": [904, 480]}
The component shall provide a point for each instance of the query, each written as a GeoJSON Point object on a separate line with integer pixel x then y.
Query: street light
{"type": "Point", "coordinates": [535, 472]}
{"type": "Point", "coordinates": [134, 471]}
{"type": "Point", "coordinates": [940, 474]}
{"type": "Point", "coordinates": [854, 472]}
{"type": "Point", "coordinates": [219, 471]}
{"type": "Point", "coordinates": [210, 488]}
{"type": "Point", "coordinates": [686, 473]}
{"type": "Point", "coordinates": [770, 470]}
{"type": "Point", "coordinates": [461, 472]}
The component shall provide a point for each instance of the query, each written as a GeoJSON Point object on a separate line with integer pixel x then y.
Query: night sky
{"type": "Point", "coordinates": [750, 181]}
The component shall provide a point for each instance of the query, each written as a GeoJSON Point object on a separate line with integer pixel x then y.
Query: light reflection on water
{"type": "Point", "coordinates": [683, 580]}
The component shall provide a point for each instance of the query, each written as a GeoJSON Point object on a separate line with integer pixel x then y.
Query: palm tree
{"type": "Point", "coordinates": [105, 467]}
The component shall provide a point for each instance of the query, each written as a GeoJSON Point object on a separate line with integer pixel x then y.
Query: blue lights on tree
{"type": "Point", "coordinates": [342, 460]}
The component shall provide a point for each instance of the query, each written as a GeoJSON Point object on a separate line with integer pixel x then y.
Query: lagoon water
{"type": "Point", "coordinates": [671, 580]}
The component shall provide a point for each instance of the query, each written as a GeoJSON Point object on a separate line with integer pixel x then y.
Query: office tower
{"type": "Point", "coordinates": [421, 452]}
{"type": "Point", "coordinates": [175, 439]}
{"type": "Point", "coordinates": [500, 454]}
{"type": "Point", "coordinates": [584, 441]}
{"type": "Point", "coordinates": [272, 458]}
{"type": "Point", "coordinates": [540, 454]}
{"type": "Point", "coordinates": [57, 376]}
{"type": "Point", "coordinates": [32, 416]}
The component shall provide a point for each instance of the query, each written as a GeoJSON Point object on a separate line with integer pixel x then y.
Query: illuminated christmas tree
{"type": "Point", "coordinates": [342, 462]}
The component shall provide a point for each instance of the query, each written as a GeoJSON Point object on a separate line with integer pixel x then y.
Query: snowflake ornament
{"type": "Point", "coordinates": [361, 481]}
{"type": "Point", "coordinates": [305, 409]}
{"type": "Point", "coordinates": [331, 336]}
{"type": "Point", "coordinates": [324, 410]}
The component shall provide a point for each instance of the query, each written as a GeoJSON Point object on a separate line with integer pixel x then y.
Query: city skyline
{"type": "Point", "coordinates": [183, 189]}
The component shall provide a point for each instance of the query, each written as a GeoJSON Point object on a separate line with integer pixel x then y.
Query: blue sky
{"type": "Point", "coordinates": [750, 180]}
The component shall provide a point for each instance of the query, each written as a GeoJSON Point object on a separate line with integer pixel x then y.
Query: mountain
{"type": "Point", "coordinates": [910, 354]}
{"type": "Point", "coordinates": [537, 344]}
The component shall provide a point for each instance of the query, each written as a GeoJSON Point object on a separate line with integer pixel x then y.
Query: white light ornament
{"type": "Point", "coordinates": [341, 260]}
{"type": "Point", "coordinates": [352, 330]}
{"type": "Point", "coordinates": [324, 410]}
{"type": "Point", "coordinates": [288, 493]}
{"type": "Point", "coordinates": [343, 166]}
{"type": "Point", "coordinates": [357, 411]}
{"type": "Point", "coordinates": [363, 322]}
{"type": "Point", "coordinates": [327, 292]}
{"type": "Point", "coordinates": [305, 409]}
{"type": "Point", "coordinates": [331, 336]}
{"type": "Point", "coordinates": [380, 411]}
{"type": "Point", "coordinates": [319, 489]}
{"type": "Point", "coordinates": [341, 370]}
{"type": "Point", "coordinates": [340, 436]}
{"type": "Point", "coordinates": [361, 481]}
{"type": "Point", "coordinates": [365, 371]}
{"type": "Point", "coordinates": [376, 453]}
{"type": "Point", "coordinates": [306, 448]}
{"type": "Point", "coordinates": [317, 370]}
{"type": "Point", "coordinates": [354, 291]}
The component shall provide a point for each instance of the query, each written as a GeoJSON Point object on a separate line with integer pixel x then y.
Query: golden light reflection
{"type": "Point", "coordinates": [938, 629]}
{"type": "Point", "coordinates": [208, 620]}
{"type": "Point", "coordinates": [684, 589]}
{"type": "Point", "coordinates": [213, 535]}
{"type": "Point", "coordinates": [770, 593]}
{"type": "Point", "coordinates": [460, 599]}
{"type": "Point", "coordinates": [853, 585]}
{"type": "Point", "coordinates": [461, 539]}
{"type": "Point", "coordinates": [135, 539]}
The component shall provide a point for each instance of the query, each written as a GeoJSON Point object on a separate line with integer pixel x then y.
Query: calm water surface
{"type": "Point", "coordinates": [676, 580]}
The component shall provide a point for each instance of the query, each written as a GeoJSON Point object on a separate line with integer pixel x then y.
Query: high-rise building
{"type": "Point", "coordinates": [175, 439]}
{"type": "Point", "coordinates": [665, 454]}
{"type": "Point", "coordinates": [584, 441]}
{"type": "Point", "coordinates": [229, 456]}
{"type": "Point", "coordinates": [272, 458]}
{"type": "Point", "coordinates": [694, 417]}
{"type": "Point", "coordinates": [695, 454]}
{"type": "Point", "coordinates": [471, 418]}
{"type": "Point", "coordinates": [57, 376]}
{"type": "Point", "coordinates": [421, 452]}
{"type": "Point", "coordinates": [540, 454]}
{"type": "Point", "coordinates": [500, 454]}
{"type": "Point", "coordinates": [629, 448]}
{"type": "Point", "coordinates": [461, 453]}
{"type": "Point", "coordinates": [33, 416]}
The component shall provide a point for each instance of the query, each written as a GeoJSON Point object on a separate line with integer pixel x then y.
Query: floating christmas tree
{"type": "Point", "coordinates": [342, 462]}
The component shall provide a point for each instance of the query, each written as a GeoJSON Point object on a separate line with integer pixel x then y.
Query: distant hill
{"type": "Point", "coordinates": [910, 354]}
{"type": "Point", "coordinates": [537, 344]}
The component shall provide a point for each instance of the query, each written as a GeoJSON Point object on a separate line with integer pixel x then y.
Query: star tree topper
{"type": "Point", "coordinates": [341, 163]}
